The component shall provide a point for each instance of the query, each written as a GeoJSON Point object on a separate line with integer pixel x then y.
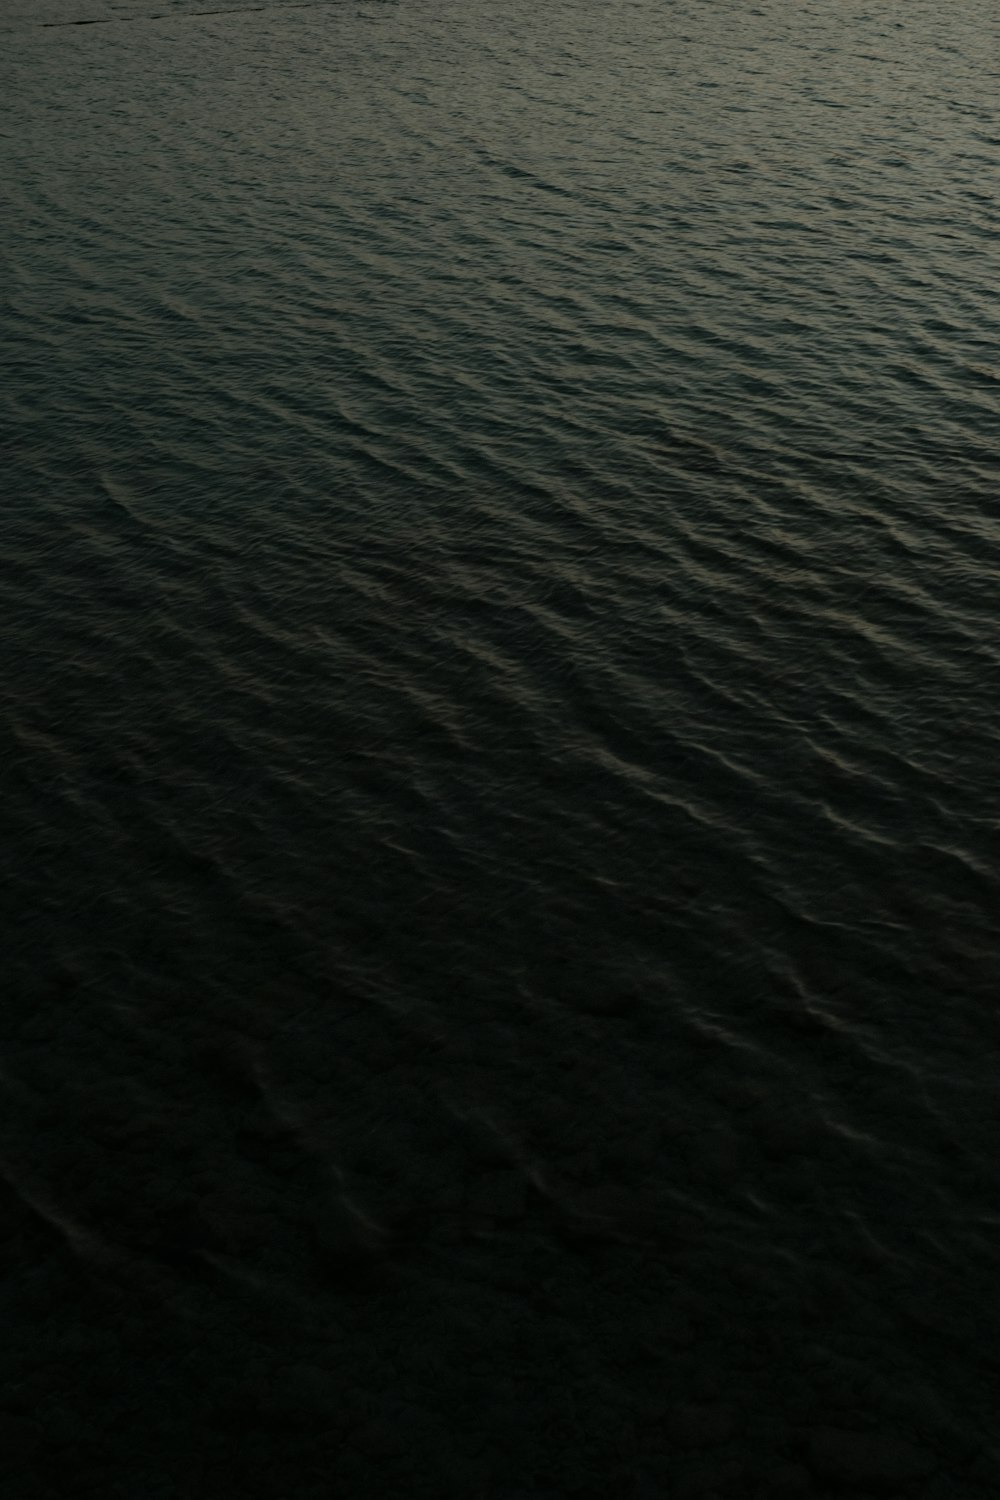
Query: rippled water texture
{"type": "Point", "coordinates": [502, 711]}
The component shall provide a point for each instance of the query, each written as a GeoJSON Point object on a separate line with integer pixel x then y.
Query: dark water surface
{"type": "Point", "coordinates": [500, 538]}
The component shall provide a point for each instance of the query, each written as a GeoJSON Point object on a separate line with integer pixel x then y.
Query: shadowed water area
{"type": "Point", "coordinates": [500, 902]}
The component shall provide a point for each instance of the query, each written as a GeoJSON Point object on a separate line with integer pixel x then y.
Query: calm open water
{"type": "Point", "coordinates": [501, 895]}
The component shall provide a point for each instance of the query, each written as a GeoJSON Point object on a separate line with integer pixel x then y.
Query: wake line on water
{"type": "Point", "coordinates": [182, 15]}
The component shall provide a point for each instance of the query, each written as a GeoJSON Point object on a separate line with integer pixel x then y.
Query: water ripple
{"type": "Point", "coordinates": [499, 567]}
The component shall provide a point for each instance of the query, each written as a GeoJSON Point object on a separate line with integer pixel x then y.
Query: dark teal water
{"type": "Point", "coordinates": [501, 688]}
